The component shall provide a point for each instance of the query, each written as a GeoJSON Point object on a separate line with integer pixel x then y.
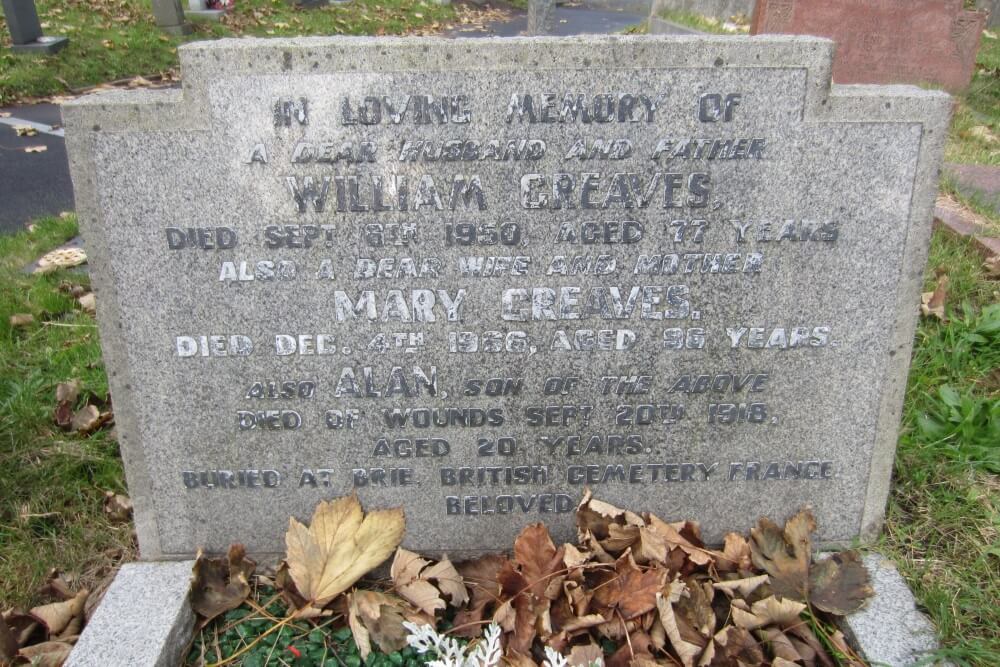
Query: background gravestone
{"type": "Point", "coordinates": [892, 41]}
{"type": "Point", "coordinates": [720, 9]}
{"type": "Point", "coordinates": [26, 31]}
{"type": "Point", "coordinates": [473, 279]}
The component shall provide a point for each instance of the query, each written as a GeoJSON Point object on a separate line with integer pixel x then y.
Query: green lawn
{"type": "Point", "coordinates": [116, 39]}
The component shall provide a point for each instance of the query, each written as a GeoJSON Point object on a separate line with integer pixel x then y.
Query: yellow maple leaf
{"type": "Point", "coordinates": [339, 547]}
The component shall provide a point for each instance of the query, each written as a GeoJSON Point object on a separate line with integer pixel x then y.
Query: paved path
{"type": "Point", "coordinates": [32, 185]}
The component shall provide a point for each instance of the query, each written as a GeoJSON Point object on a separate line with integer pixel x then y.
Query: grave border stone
{"type": "Point", "coordinates": [188, 109]}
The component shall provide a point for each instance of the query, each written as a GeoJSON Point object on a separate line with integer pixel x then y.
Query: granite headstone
{"type": "Point", "coordinates": [885, 41]}
{"type": "Point", "coordinates": [474, 278]}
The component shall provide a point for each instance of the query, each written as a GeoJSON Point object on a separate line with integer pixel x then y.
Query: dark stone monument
{"type": "Point", "coordinates": [26, 31]}
{"type": "Point", "coordinates": [885, 41]}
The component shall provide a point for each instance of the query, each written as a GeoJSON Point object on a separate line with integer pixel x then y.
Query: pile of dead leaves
{"type": "Point", "coordinates": [650, 588]}
{"type": "Point", "coordinates": [46, 634]}
{"type": "Point", "coordinates": [81, 413]}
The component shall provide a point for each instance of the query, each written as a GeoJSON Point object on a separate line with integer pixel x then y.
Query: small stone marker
{"type": "Point", "coordinates": [472, 280]}
{"type": "Point", "coordinates": [541, 16]}
{"type": "Point", "coordinates": [890, 41]}
{"type": "Point", "coordinates": [26, 31]}
{"type": "Point", "coordinates": [170, 17]}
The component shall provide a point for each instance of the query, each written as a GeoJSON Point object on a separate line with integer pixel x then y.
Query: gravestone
{"type": "Point", "coordinates": [886, 41]}
{"type": "Point", "coordinates": [541, 16]}
{"type": "Point", "coordinates": [720, 9]}
{"type": "Point", "coordinates": [473, 280]}
{"type": "Point", "coordinates": [26, 31]}
{"type": "Point", "coordinates": [169, 17]}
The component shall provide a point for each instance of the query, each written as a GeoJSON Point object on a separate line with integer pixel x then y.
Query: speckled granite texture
{"type": "Point", "coordinates": [702, 329]}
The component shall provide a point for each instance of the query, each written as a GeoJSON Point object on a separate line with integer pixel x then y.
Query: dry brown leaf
{"type": "Point", "coordinates": [932, 304]}
{"type": "Point", "coordinates": [770, 610]}
{"type": "Point", "coordinates": [744, 586]}
{"type": "Point", "coordinates": [62, 618]}
{"type": "Point", "coordinates": [88, 302]}
{"type": "Point", "coordinates": [412, 577]}
{"type": "Point", "coordinates": [735, 555]}
{"type": "Point", "coordinates": [36, 149]}
{"type": "Point", "coordinates": [539, 561]}
{"type": "Point", "coordinates": [21, 319]}
{"type": "Point", "coordinates": [86, 419]}
{"type": "Point", "coordinates": [67, 392]}
{"type": "Point", "coordinates": [8, 642]}
{"type": "Point", "coordinates": [992, 267]}
{"type": "Point", "coordinates": [220, 584]}
{"type": "Point", "coordinates": [686, 651]}
{"type": "Point", "coordinates": [339, 547]}
{"type": "Point", "coordinates": [839, 584]}
{"type": "Point", "coordinates": [480, 576]}
{"type": "Point", "coordinates": [61, 258]}
{"type": "Point", "coordinates": [628, 590]}
{"type": "Point", "coordinates": [47, 654]}
{"type": "Point", "coordinates": [586, 655]}
{"type": "Point", "coordinates": [117, 507]}
{"type": "Point", "coordinates": [596, 516]}
{"type": "Point", "coordinates": [378, 618]}
{"type": "Point", "coordinates": [784, 554]}
{"type": "Point", "coordinates": [25, 130]}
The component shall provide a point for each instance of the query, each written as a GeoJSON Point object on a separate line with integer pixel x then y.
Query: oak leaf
{"type": "Point", "coordinates": [339, 547]}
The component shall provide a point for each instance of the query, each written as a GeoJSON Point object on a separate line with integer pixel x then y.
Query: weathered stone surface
{"type": "Point", "coordinates": [721, 9]}
{"type": "Point", "coordinates": [885, 41]}
{"type": "Point", "coordinates": [541, 16]}
{"type": "Point", "coordinates": [144, 618]}
{"type": "Point", "coordinates": [890, 630]}
{"type": "Point", "coordinates": [750, 373]}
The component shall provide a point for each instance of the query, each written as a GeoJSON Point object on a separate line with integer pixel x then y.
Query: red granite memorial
{"type": "Point", "coordinates": [885, 41]}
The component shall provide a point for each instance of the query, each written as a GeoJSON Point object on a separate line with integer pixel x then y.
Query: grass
{"type": "Point", "coordinates": [52, 486]}
{"type": "Point", "coordinates": [975, 127]}
{"type": "Point", "coordinates": [697, 21]}
{"type": "Point", "coordinates": [116, 39]}
{"type": "Point", "coordinates": [943, 526]}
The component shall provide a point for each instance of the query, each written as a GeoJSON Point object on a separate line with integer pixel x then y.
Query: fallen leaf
{"type": "Point", "coordinates": [61, 258]}
{"type": "Point", "coordinates": [770, 610]}
{"type": "Point", "coordinates": [35, 149]}
{"type": "Point", "coordinates": [992, 267]}
{"type": "Point", "coordinates": [539, 561]}
{"type": "Point", "coordinates": [744, 586]}
{"type": "Point", "coordinates": [108, 44]}
{"type": "Point", "coordinates": [932, 303]}
{"type": "Point", "coordinates": [86, 419]}
{"type": "Point", "coordinates": [47, 654]}
{"type": "Point", "coordinates": [25, 130]}
{"type": "Point", "coordinates": [628, 590]}
{"type": "Point", "coordinates": [21, 319]}
{"type": "Point", "coordinates": [339, 547]}
{"type": "Point", "coordinates": [685, 650]}
{"type": "Point", "coordinates": [839, 584]}
{"type": "Point", "coordinates": [586, 655]}
{"type": "Point", "coordinates": [480, 576]}
{"type": "Point", "coordinates": [66, 392]}
{"type": "Point", "coordinates": [62, 618]}
{"type": "Point", "coordinates": [784, 554]}
{"type": "Point", "coordinates": [220, 584]}
{"type": "Point", "coordinates": [377, 617]}
{"type": "Point", "coordinates": [412, 577]}
{"type": "Point", "coordinates": [984, 133]}
{"type": "Point", "coordinates": [117, 507]}
{"type": "Point", "coordinates": [88, 303]}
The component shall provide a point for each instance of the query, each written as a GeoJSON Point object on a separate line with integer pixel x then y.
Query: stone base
{"type": "Point", "coordinates": [204, 14]}
{"type": "Point", "coordinates": [144, 619]}
{"type": "Point", "coordinates": [890, 630]}
{"type": "Point", "coordinates": [177, 30]}
{"type": "Point", "coordinates": [44, 45]}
